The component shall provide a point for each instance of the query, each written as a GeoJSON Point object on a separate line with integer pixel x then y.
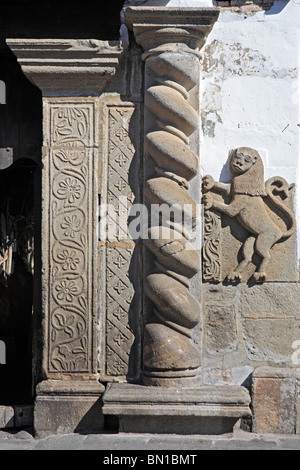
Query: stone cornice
{"type": "Point", "coordinates": [158, 28]}
{"type": "Point", "coordinates": [68, 67]}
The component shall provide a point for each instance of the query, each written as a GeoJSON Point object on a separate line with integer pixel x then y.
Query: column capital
{"type": "Point", "coordinates": [158, 29]}
{"type": "Point", "coordinates": [68, 67]}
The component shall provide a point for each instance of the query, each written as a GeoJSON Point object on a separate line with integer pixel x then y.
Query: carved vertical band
{"type": "Point", "coordinates": [71, 165]}
{"type": "Point", "coordinates": [120, 294]}
{"type": "Point", "coordinates": [211, 247]}
{"type": "Point", "coordinates": [171, 117]}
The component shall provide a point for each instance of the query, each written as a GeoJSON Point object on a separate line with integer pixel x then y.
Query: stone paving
{"type": "Point", "coordinates": [172, 444]}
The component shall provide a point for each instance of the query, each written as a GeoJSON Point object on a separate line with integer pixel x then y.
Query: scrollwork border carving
{"type": "Point", "coordinates": [70, 163]}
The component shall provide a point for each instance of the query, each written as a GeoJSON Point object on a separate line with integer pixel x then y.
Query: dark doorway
{"type": "Point", "coordinates": [20, 149]}
{"type": "Point", "coordinates": [17, 216]}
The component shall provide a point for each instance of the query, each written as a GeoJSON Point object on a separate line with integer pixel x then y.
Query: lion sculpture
{"type": "Point", "coordinates": [248, 204]}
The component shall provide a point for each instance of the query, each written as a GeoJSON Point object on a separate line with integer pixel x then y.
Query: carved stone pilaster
{"type": "Point", "coordinates": [71, 74]}
{"type": "Point", "coordinates": [120, 299]}
{"type": "Point", "coordinates": [171, 39]}
{"type": "Point", "coordinates": [69, 236]}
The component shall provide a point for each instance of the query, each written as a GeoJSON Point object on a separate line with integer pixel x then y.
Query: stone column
{"type": "Point", "coordinates": [175, 399]}
{"type": "Point", "coordinates": [71, 74]}
{"type": "Point", "coordinates": [171, 40]}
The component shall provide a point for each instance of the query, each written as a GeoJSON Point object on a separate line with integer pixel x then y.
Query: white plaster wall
{"type": "Point", "coordinates": [250, 92]}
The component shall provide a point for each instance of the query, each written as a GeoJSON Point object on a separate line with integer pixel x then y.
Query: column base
{"type": "Point", "coordinates": [68, 406]}
{"type": "Point", "coordinates": [203, 410]}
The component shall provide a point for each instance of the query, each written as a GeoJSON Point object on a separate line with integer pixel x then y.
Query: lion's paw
{"type": "Point", "coordinates": [234, 277]}
{"type": "Point", "coordinates": [259, 276]}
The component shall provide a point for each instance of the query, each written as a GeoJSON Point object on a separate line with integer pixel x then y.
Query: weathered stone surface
{"type": "Point", "coordinates": [267, 311]}
{"type": "Point", "coordinates": [68, 406]}
{"type": "Point", "coordinates": [204, 410]}
{"type": "Point", "coordinates": [16, 416]}
{"type": "Point", "coordinates": [165, 191]}
{"type": "Point", "coordinates": [178, 65]}
{"type": "Point", "coordinates": [67, 66]}
{"type": "Point", "coordinates": [6, 417]}
{"type": "Point", "coordinates": [23, 416]}
{"type": "Point", "coordinates": [298, 415]}
{"type": "Point", "coordinates": [186, 26]}
{"type": "Point", "coordinates": [69, 233]}
{"type": "Point", "coordinates": [69, 192]}
{"type": "Point", "coordinates": [172, 300]}
{"type": "Point", "coordinates": [221, 328]}
{"type": "Point", "coordinates": [166, 350]}
{"type": "Point", "coordinates": [172, 107]}
{"type": "Point", "coordinates": [172, 153]}
{"type": "Point", "coordinates": [245, 327]}
{"type": "Point", "coordinates": [274, 401]}
{"type": "Point", "coordinates": [173, 251]}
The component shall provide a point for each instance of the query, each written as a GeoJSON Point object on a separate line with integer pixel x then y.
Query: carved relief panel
{"type": "Point", "coordinates": [120, 295]}
{"type": "Point", "coordinates": [249, 224]}
{"type": "Point", "coordinates": [71, 230]}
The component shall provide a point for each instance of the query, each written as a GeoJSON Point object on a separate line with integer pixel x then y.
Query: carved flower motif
{"type": "Point", "coordinates": [69, 259]}
{"type": "Point", "coordinates": [70, 225]}
{"type": "Point", "coordinates": [64, 323]}
{"type": "Point", "coordinates": [69, 189]}
{"type": "Point", "coordinates": [66, 290]}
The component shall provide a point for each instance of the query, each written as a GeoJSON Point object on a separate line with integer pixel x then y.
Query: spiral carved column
{"type": "Point", "coordinates": [168, 350]}
{"type": "Point", "coordinates": [171, 54]}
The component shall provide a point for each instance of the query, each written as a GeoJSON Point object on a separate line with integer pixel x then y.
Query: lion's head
{"type": "Point", "coordinates": [247, 170]}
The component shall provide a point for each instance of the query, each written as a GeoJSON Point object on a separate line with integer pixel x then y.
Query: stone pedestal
{"type": "Point", "coordinates": [71, 74]}
{"type": "Point", "coordinates": [67, 406]}
{"type": "Point", "coordinates": [202, 410]}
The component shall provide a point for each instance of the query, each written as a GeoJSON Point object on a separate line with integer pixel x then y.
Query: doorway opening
{"type": "Point", "coordinates": [17, 227]}
{"type": "Point", "coordinates": [20, 188]}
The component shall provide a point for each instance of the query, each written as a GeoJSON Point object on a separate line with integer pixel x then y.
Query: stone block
{"type": "Point", "coordinates": [63, 407]}
{"type": "Point", "coordinates": [203, 410]}
{"type": "Point", "coordinates": [6, 417]}
{"type": "Point", "coordinates": [274, 400]}
{"type": "Point", "coordinates": [221, 328]}
{"type": "Point", "coordinates": [270, 320]}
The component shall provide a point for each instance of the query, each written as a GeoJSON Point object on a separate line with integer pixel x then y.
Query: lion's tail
{"type": "Point", "coordinates": [277, 186]}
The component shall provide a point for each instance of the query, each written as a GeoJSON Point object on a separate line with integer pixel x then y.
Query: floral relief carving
{"type": "Point", "coordinates": [71, 160]}
{"type": "Point", "coordinates": [71, 225]}
{"type": "Point", "coordinates": [69, 189]}
{"type": "Point", "coordinates": [66, 290]}
{"type": "Point", "coordinates": [70, 125]}
{"type": "Point", "coordinates": [69, 260]}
